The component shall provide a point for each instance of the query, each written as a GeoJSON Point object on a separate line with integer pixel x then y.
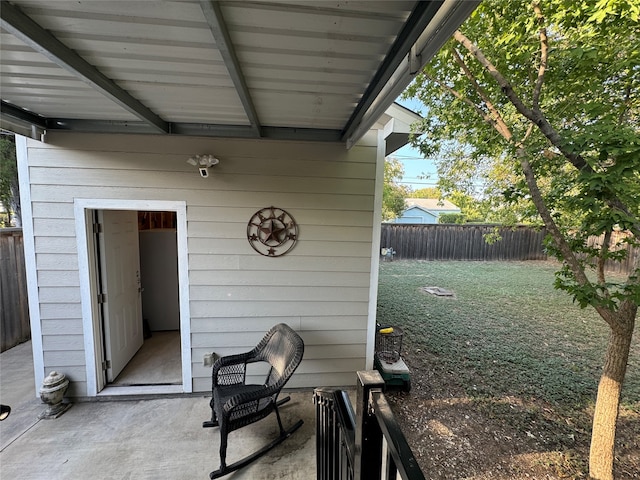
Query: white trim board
{"type": "Point", "coordinates": [30, 261]}
{"type": "Point", "coordinates": [81, 208]}
{"type": "Point", "coordinates": [375, 250]}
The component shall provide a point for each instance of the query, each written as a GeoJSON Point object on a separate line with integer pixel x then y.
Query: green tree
{"type": "Point", "coordinates": [473, 210]}
{"type": "Point", "coordinates": [547, 94]}
{"type": "Point", "coordinates": [393, 194]}
{"type": "Point", "coordinates": [452, 218]}
{"type": "Point", "coordinates": [9, 193]}
{"type": "Point", "coordinates": [429, 192]}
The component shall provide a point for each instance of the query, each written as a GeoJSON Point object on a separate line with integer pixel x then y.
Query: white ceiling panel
{"type": "Point", "coordinates": [29, 80]}
{"type": "Point", "coordinates": [233, 68]}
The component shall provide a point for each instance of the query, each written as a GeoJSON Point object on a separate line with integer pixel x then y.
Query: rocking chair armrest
{"type": "Point", "coordinates": [233, 367]}
{"type": "Point", "coordinates": [235, 359]}
{"type": "Point", "coordinates": [247, 397]}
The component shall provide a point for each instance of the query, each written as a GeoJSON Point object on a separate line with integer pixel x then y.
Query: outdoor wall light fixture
{"type": "Point", "coordinates": [203, 162]}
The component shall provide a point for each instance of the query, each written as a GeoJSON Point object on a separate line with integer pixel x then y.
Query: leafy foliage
{"type": "Point", "coordinates": [9, 195]}
{"type": "Point", "coordinates": [452, 218]}
{"type": "Point", "coordinates": [588, 174]}
{"type": "Point", "coordinates": [393, 194]}
{"type": "Point", "coordinates": [429, 192]}
{"type": "Point", "coordinates": [541, 100]}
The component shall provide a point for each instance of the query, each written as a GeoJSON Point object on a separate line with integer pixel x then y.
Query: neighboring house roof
{"type": "Point", "coordinates": [420, 209]}
{"type": "Point", "coordinates": [432, 204]}
{"type": "Point", "coordinates": [316, 70]}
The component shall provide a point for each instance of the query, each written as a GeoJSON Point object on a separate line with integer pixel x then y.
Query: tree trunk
{"type": "Point", "coordinates": [608, 401]}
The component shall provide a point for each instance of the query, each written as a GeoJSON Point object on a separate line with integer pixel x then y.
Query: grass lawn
{"type": "Point", "coordinates": [507, 333]}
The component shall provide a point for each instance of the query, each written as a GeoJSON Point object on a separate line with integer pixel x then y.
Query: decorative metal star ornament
{"type": "Point", "coordinates": [272, 232]}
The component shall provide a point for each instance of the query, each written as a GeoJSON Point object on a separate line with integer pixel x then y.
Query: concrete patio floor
{"type": "Point", "coordinates": [159, 438]}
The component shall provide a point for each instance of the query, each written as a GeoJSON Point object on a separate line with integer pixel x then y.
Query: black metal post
{"type": "Point", "coordinates": [368, 458]}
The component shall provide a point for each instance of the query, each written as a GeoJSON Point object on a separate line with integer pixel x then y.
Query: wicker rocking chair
{"type": "Point", "coordinates": [235, 404]}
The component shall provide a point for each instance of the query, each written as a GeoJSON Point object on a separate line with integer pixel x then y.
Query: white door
{"type": "Point", "coordinates": [120, 275]}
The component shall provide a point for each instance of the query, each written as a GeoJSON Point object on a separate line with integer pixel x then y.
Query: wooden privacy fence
{"type": "Point", "coordinates": [462, 242]}
{"type": "Point", "coordinates": [617, 243]}
{"type": "Point", "coordinates": [14, 311]}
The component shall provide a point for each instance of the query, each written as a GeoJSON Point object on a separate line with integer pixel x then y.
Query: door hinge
{"type": "Point", "coordinates": [97, 228]}
{"type": "Point", "coordinates": [102, 298]}
{"type": "Point", "coordinates": [106, 364]}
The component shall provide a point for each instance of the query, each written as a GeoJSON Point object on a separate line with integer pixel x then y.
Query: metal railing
{"type": "Point", "coordinates": [366, 445]}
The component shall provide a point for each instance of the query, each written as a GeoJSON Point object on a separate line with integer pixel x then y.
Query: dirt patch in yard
{"type": "Point", "coordinates": [457, 436]}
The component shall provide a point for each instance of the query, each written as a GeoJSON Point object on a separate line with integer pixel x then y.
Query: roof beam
{"type": "Point", "coordinates": [420, 17]}
{"type": "Point", "coordinates": [9, 110]}
{"type": "Point", "coordinates": [194, 129]}
{"type": "Point", "coordinates": [21, 121]}
{"type": "Point", "coordinates": [213, 15]}
{"type": "Point", "coordinates": [14, 21]}
{"type": "Point", "coordinates": [428, 27]}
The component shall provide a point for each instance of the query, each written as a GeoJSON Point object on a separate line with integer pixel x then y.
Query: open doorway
{"type": "Point", "coordinates": [157, 361]}
{"type": "Point", "coordinates": [98, 354]}
{"type": "Point", "coordinates": [119, 359]}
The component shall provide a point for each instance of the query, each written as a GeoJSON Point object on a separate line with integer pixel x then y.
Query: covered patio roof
{"type": "Point", "coordinates": [305, 70]}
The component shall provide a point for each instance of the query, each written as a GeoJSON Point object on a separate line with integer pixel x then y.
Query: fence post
{"type": "Point", "coordinates": [368, 441]}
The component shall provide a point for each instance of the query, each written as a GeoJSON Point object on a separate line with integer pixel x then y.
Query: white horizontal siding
{"type": "Point", "coordinates": [288, 263]}
{"type": "Point", "coordinates": [53, 210]}
{"type": "Point", "coordinates": [70, 358]}
{"type": "Point", "coordinates": [230, 246]}
{"type": "Point", "coordinates": [262, 324]}
{"type": "Point", "coordinates": [67, 326]}
{"type": "Point", "coordinates": [56, 261]}
{"type": "Point", "coordinates": [245, 339]}
{"type": "Point", "coordinates": [62, 343]}
{"type": "Point", "coordinates": [274, 293]}
{"type": "Point", "coordinates": [202, 279]}
{"type": "Point", "coordinates": [240, 309]}
{"type": "Point", "coordinates": [316, 216]}
{"type": "Point", "coordinates": [56, 245]}
{"type": "Point", "coordinates": [59, 295]}
{"type": "Point", "coordinates": [63, 352]}
{"type": "Point", "coordinates": [60, 310]}
{"type": "Point", "coordinates": [324, 233]}
{"type": "Point", "coordinates": [358, 203]}
{"type": "Point", "coordinates": [184, 180]}
{"type": "Point", "coordinates": [58, 278]}
{"type": "Point", "coordinates": [320, 288]}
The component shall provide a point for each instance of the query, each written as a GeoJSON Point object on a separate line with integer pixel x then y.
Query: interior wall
{"type": "Point", "coordinates": [159, 277]}
{"type": "Point", "coordinates": [320, 288]}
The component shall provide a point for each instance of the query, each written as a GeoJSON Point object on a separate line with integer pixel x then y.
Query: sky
{"type": "Point", "coordinates": [415, 165]}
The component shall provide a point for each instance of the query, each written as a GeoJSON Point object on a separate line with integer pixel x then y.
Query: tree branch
{"type": "Point", "coordinates": [528, 132]}
{"type": "Point", "coordinates": [625, 103]}
{"type": "Point", "coordinates": [544, 53]}
{"type": "Point", "coordinates": [565, 249]}
{"type": "Point", "coordinates": [500, 124]}
{"type": "Point", "coordinates": [485, 116]}
{"type": "Point", "coordinates": [602, 260]}
{"type": "Point", "coordinates": [534, 116]}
